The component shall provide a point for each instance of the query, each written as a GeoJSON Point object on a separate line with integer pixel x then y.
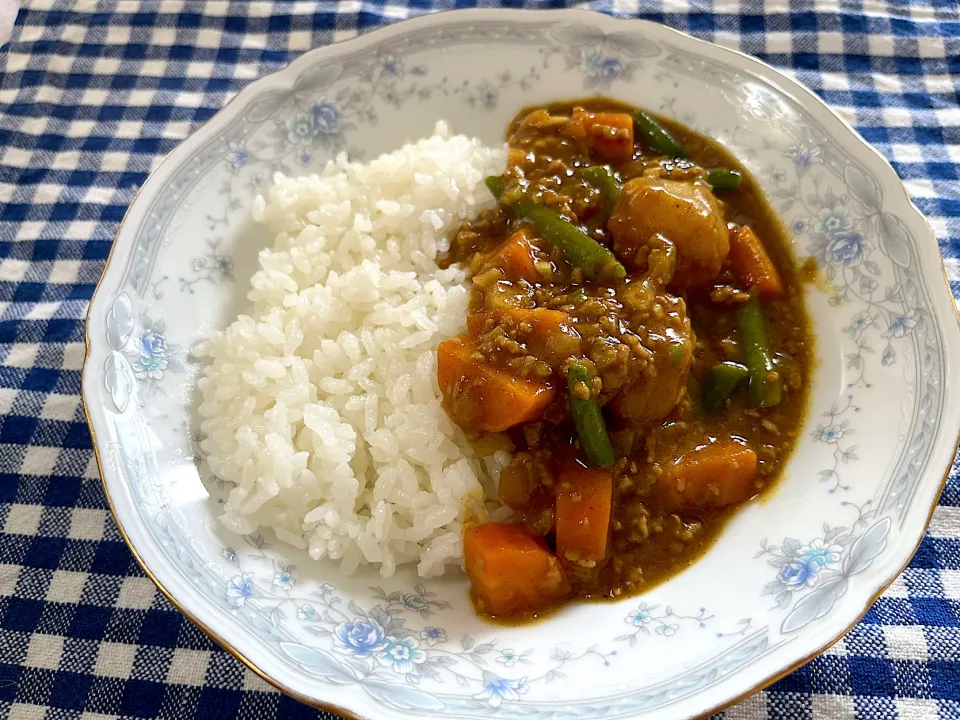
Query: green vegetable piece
{"type": "Point", "coordinates": [722, 382]}
{"type": "Point", "coordinates": [657, 136]}
{"type": "Point", "coordinates": [577, 297]}
{"type": "Point", "coordinates": [579, 249]}
{"type": "Point", "coordinates": [676, 355]}
{"type": "Point", "coordinates": [603, 179]}
{"type": "Point", "coordinates": [723, 179]}
{"type": "Point", "coordinates": [496, 184]}
{"type": "Point", "coordinates": [588, 419]}
{"type": "Point", "coordinates": [766, 389]}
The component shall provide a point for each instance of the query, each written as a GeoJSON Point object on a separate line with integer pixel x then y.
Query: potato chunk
{"type": "Point", "coordinates": [685, 213]}
{"type": "Point", "coordinates": [653, 395]}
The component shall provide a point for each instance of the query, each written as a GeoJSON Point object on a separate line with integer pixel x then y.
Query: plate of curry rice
{"type": "Point", "coordinates": [501, 364]}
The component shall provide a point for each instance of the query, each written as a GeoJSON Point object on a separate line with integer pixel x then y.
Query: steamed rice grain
{"type": "Point", "coordinates": [321, 404]}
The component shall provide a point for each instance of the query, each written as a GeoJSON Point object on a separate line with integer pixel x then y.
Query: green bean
{"type": "Point", "coordinates": [657, 136]}
{"type": "Point", "coordinates": [496, 184]}
{"type": "Point", "coordinates": [588, 419]}
{"type": "Point", "coordinates": [603, 179]}
{"type": "Point", "coordinates": [579, 249]}
{"type": "Point", "coordinates": [676, 355]}
{"type": "Point", "coordinates": [766, 389]}
{"type": "Point", "coordinates": [724, 179]}
{"type": "Point", "coordinates": [722, 381]}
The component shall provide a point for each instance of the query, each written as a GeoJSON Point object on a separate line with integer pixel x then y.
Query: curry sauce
{"type": "Point", "coordinates": [637, 333]}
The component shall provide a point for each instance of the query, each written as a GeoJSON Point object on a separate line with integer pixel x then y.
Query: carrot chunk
{"type": "Point", "coordinates": [714, 475]}
{"type": "Point", "coordinates": [514, 256]}
{"type": "Point", "coordinates": [610, 134]}
{"type": "Point", "coordinates": [548, 334]}
{"type": "Point", "coordinates": [584, 504]}
{"type": "Point", "coordinates": [511, 571]}
{"type": "Point", "coordinates": [752, 265]}
{"type": "Point", "coordinates": [483, 398]}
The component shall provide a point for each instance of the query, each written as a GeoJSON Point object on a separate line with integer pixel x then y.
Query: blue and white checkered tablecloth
{"type": "Point", "coordinates": [94, 92]}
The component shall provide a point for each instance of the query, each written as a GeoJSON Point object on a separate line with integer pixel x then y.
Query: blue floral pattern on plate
{"type": "Point", "coordinates": [380, 639]}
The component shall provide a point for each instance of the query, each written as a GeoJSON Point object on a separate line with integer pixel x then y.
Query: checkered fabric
{"type": "Point", "coordinates": [93, 93]}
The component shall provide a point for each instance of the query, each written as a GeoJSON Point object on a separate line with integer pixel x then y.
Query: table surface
{"type": "Point", "coordinates": [94, 93]}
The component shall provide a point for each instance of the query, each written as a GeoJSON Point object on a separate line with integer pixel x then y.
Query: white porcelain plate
{"type": "Point", "coordinates": [787, 577]}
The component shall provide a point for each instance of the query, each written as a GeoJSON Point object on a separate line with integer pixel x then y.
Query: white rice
{"type": "Point", "coordinates": [321, 405]}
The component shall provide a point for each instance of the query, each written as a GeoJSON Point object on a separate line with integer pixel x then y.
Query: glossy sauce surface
{"type": "Point", "coordinates": [650, 338]}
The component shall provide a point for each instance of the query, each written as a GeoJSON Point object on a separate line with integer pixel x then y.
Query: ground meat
{"type": "Point", "coordinates": [648, 340]}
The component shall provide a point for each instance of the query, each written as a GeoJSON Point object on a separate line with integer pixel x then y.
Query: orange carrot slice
{"type": "Point", "coordinates": [483, 398]}
{"type": "Point", "coordinates": [551, 335]}
{"type": "Point", "coordinates": [752, 265]}
{"type": "Point", "coordinates": [511, 571]}
{"type": "Point", "coordinates": [713, 475]}
{"type": "Point", "coordinates": [514, 256]}
{"type": "Point", "coordinates": [610, 134]}
{"type": "Point", "coordinates": [584, 504]}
